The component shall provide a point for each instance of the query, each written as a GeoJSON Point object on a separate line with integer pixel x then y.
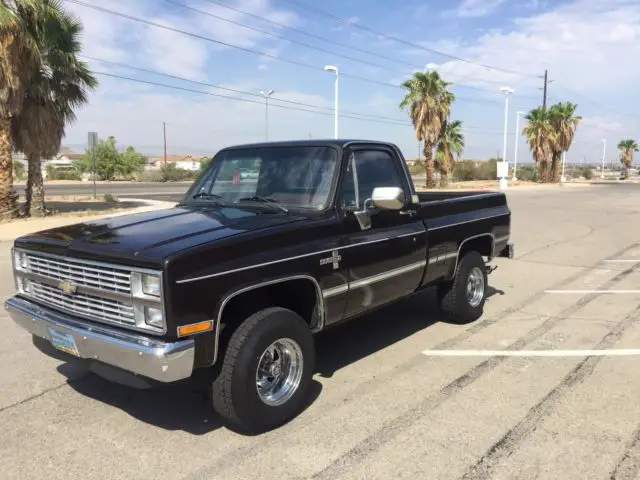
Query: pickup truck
{"type": "Point", "coordinates": [232, 284]}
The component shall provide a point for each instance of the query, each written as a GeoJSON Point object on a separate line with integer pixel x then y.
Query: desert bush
{"type": "Point", "coordinates": [171, 173]}
{"type": "Point", "coordinates": [59, 174]}
{"type": "Point", "coordinates": [528, 173]}
{"type": "Point", "coordinates": [151, 176]}
{"type": "Point", "coordinates": [19, 171]}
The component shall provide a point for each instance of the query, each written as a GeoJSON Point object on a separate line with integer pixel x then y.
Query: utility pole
{"type": "Point", "coordinates": [544, 95]}
{"type": "Point", "coordinates": [164, 129]}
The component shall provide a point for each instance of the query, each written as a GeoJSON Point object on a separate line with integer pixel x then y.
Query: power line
{"type": "Point", "coordinates": [324, 39]}
{"type": "Point", "coordinates": [249, 50]}
{"type": "Point", "coordinates": [244, 92]}
{"type": "Point", "coordinates": [228, 97]}
{"type": "Point", "coordinates": [599, 105]}
{"type": "Point", "coordinates": [399, 40]}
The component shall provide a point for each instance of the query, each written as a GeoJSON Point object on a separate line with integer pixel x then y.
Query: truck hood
{"type": "Point", "coordinates": [152, 236]}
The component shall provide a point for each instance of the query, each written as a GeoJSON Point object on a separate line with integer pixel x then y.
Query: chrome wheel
{"type": "Point", "coordinates": [475, 287]}
{"type": "Point", "coordinates": [279, 371]}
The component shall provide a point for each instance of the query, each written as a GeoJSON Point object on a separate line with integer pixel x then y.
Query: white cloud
{"type": "Point", "coordinates": [477, 8]}
{"type": "Point", "coordinates": [586, 46]}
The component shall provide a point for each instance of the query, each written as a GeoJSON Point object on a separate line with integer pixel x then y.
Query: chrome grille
{"type": "Point", "coordinates": [84, 304]}
{"type": "Point", "coordinates": [88, 275]}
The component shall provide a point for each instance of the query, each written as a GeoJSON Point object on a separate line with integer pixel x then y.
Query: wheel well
{"type": "Point", "coordinates": [299, 295]}
{"type": "Point", "coordinates": [483, 245]}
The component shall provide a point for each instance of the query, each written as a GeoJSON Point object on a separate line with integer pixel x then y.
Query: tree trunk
{"type": "Point", "coordinates": [8, 198]}
{"type": "Point", "coordinates": [556, 166]}
{"type": "Point", "coordinates": [35, 205]}
{"type": "Point", "coordinates": [444, 178]}
{"type": "Point", "coordinates": [543, 171]}
{"type": "Point", "coordinates": [429, 166]}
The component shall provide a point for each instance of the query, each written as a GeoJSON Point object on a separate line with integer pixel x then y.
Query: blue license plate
{"type": "Point", "coordinates": [64, 342]}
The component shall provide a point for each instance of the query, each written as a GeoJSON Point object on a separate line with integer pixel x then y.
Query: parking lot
{"type": "Point", "coordinates": [398, 394]}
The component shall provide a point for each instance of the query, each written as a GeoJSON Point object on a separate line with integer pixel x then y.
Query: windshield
{"type": "Point", "coordinates": [290, 176]}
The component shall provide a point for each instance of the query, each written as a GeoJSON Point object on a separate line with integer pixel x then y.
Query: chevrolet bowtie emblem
{"type": "Point", "coordinates": [68, 287]}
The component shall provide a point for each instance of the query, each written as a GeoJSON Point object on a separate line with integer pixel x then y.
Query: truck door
{"type": "Point", "coordinates": [388, 260]}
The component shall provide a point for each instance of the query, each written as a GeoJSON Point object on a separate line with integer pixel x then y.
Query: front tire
{"type": "Point", "coordinates": [266, 371]}
{"type": "Point", "coordinates": [462, 299]}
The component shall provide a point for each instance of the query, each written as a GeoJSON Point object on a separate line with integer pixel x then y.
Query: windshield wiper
{"type": "Point", "coordinates": [209, 196]}
{"type": "Point", "coordinates": [268, 201]}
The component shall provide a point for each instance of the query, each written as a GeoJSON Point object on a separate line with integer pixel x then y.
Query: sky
{"type": "Point", "coordinates": [200, 65]}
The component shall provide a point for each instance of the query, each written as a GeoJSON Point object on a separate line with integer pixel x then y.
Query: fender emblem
{"type": "Point", "coordinates": [334, 259]}
{"type": "Point", "coordinates": [68, 287]}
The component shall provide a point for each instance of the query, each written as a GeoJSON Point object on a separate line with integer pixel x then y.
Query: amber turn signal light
{"type": "Point", "coordinates": [185, 330]}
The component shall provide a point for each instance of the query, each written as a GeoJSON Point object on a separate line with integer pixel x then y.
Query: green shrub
{"type": "Point", "coordinates": [19, 171]}
{"type": "Point", "coordinates": [465, 170]}
{"type": "Point", "coordinates": [110, 198]}
{"type": "Point", "coordinates": [171, 173]}
{"type": "Point", "coordinates": [58, 174]}
{"type": "Point", "coordinates": [528, 173]}
{"type": "Point", "coordinates": [416, 168]}
{"type": "Point", "coordinates": [587, 173]}
{"type": "Point", "coordinates": [151, 176]}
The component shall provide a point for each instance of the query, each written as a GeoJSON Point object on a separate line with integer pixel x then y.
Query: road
{"type": "Point", "coordinates": [154, 190]}
{"type": "Point", "coordinates": [381, 407]}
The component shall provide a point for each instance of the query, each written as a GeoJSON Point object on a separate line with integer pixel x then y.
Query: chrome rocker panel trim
{"type": "Point", "coordinates": [151, 358]}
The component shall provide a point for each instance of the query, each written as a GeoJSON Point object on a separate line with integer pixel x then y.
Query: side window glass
{"type": "Point", "coordinates": [375, 168]}
{"type": "Point", "coordinates": [349, 193]}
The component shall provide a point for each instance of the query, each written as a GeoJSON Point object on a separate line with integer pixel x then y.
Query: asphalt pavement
{"type": "Point", "coordinates": [386, 403]}
{"type": "Point", "coordinates": [170, 191]}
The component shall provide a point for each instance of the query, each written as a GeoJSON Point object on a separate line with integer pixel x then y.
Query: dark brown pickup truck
{"type": "Point", "coordinates": [234, 281]}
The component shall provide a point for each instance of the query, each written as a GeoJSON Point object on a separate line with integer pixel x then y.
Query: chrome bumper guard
{"type": "Point", "coordinates": [161, 361]}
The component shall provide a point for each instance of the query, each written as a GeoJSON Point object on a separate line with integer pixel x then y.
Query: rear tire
{"type": "Point", "coordinates": [462, 299]}
{"type": "Point", "coordinates": [283, 373]}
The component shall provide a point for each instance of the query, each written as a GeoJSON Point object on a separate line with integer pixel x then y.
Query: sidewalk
{"type": "Point", "coordinates": [9, 231]}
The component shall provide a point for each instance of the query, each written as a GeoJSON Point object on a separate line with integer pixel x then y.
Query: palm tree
{"type": "Point", "coordinates": [627, 147]}
{"type": "Point", "coordinates": [22, 26]}
{"type": "Point", "coordinates": [53, 94]}
{"type": "Point", "coordinates": [429, 103]}
{"type": "Point", "coordinates": [565, 123]}
{"type": "Point", "coordinates": [541, 137]}
{"type": "Point", "coordinates": [451, 142]}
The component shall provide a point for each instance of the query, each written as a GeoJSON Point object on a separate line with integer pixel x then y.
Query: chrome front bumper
{"type": "Point", "coordinates": [161, 361]}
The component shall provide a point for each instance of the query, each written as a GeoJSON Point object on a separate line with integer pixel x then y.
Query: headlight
{"type": "Point", "coordinates": [150, 285]}
{"type": "Point", "coordinates": [153, 317]}
{"type": "Point", "coordinates": [20, 260]}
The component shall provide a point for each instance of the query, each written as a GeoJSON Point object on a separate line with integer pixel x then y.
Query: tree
{"type": "Point", "coordinates": [23, 30]}
{"type": "Point", "coordinates": [541, 137]}
{"type": "Point", "coordinates": [204, 163]}
{"type": "Point", "coordinates": [110, 163]}
{"type": "Point", "coordinates": [50, 99]}
{"type": "Point", "coordinates": [564, 122]}
{"type": "Point", "coordinates": [450, 142]}
{"type": "Point", "coordinates": [428, 102]}
{"type": "Point", "coordinates": [627, 147]}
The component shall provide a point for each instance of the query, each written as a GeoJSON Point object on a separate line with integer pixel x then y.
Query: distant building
{"type": "Point", "coordinates": [185, 162]}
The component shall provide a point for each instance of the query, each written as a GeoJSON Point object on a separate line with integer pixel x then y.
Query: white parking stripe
{"type": "Point", "coordinates": [533, 353]}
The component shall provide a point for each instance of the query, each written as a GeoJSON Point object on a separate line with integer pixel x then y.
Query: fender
{"type": "Point", "coordinates": [235, 293]}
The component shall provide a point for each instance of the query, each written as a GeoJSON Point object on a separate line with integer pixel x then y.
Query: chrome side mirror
{"type": "Point", "coordinates": [388, 198]}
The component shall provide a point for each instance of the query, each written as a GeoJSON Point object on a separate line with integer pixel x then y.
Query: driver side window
{"type": "Point", "coordinates": [368, 169]}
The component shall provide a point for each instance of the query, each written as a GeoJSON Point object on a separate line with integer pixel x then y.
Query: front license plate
{"type": "Point", "coordinates": [64, 342]}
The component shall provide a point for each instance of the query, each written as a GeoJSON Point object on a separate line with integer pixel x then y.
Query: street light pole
{"type": "Point", "coordinates": [333, 68]}
{"type": "Point", "coordinates": [515, 153]}
{"type": "Point", "coordinates": [604, 150]}
{"type": "Point", "coordinates": [507, 91]}
{"type": "Point", "coordinates": [266, 95]}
